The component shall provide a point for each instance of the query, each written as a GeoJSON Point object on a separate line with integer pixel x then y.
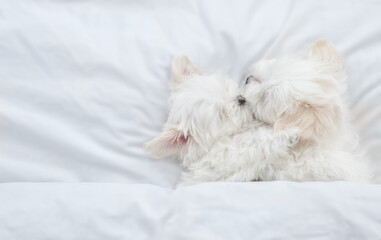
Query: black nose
{"type": "Point", "coordinates": [241, 100]}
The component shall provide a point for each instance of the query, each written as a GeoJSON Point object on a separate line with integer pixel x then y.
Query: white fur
{"type": "Point", "coordinates": [300, 130]}
{"type": "Point", "coordinates": [307, 93]}
{"type": "Point", "coordinates": [215, 138]}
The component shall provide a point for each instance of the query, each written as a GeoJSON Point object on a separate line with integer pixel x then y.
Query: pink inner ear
{"type": "Point", "coordinates": [182, 140]}
{"type": "Point", "coordinates": [177, 141]}
{"type": "Point", "coordinates": [186, 71]}
{"type": "Point", "coordinates": [174, 139]}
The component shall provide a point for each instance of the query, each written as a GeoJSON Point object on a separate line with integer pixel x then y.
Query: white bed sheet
{"type": "Point", "coordinates": [267, 210]}
{"type": "Point", "coordinates": [83, 84]}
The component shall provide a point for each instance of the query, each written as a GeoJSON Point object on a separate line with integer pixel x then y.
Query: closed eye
{"type": "Point", "coordinates": [252, 78]}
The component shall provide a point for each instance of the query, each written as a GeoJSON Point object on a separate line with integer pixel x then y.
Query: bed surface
{"type": "Point", "coordinates": [83, 84]}
{"type": "Point", "coordinates": [269, 210]}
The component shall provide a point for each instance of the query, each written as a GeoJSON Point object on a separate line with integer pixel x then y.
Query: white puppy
{"type": "Point", "coordinates": [307, 93]}
{"type": "Point", "coordinates": [212, 131]}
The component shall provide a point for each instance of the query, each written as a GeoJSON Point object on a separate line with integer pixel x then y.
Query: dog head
{"type": "Point", "coordinates": [203, 108]}
{"type": "Point", "coordinates": [300, 92]}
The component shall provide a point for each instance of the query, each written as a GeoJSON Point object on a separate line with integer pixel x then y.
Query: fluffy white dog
{"type": "Point", "coordinates": [212, 131]}
{"type": "Point", "coordinates": [307, 93]}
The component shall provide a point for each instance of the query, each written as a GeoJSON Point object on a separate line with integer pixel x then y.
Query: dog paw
{"type": "Point", "coordinates": [293, 136]}
{"type": "Point", "coordinates": [293, 140]}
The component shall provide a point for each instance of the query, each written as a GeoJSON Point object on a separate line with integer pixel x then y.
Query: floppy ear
{"type": "Point", "coordinates": [324, 52]}
{"type": "Point", "coordinates": [182, 68]}
{"type": "Point", "coordinates": [329, 63]}
{"type": "Point", "coordinates": [170, 142]}
{"type": "Point", "coordinates": [314, 121]}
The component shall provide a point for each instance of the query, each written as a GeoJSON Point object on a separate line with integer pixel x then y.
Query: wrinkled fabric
{"type": "Point", "coordinates": [83, 84]}
{"type": "Point", "coordinates": [265, 210]}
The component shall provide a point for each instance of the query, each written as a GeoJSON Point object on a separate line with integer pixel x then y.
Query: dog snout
{"type": "Point", "coordinates": [241, 100]}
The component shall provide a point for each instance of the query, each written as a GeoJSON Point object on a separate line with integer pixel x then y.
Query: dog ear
{"type": "Point", "coordinates": [324, 52]}
{"type": "Point", "coordinates": [182, 68]}
{"type": "Point", "coordinates": [314, 121]}
{"type": "Point", "coordinates": [170, 142]}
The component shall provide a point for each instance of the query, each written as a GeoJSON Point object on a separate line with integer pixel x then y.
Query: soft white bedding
{"type": "Point", "coordinates": [84, 83]}
{"type": "Point", "coordinates": [269, 210]}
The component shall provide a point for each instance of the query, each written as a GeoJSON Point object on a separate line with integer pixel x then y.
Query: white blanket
{"type": "Point", "coordinates": [269, 210]}
{"type": "Point", "coordinates": [83, 84]}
